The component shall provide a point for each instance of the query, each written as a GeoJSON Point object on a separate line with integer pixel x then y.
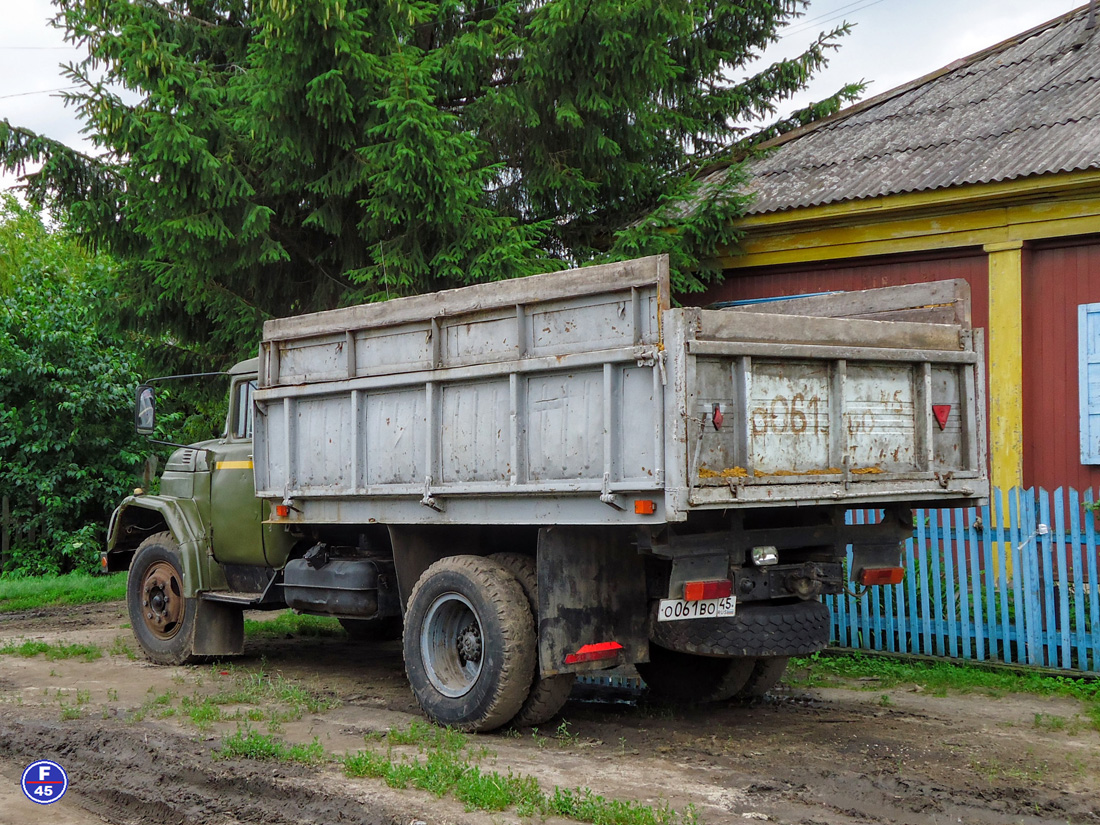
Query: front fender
{"type": "Point", "coordinates": [140, 516]}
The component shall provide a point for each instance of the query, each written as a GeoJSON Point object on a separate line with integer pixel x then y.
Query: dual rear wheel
{"type": "Point", "coordinates": [686, 677]}
{"type": "Point", "coordinates": [470, 645]}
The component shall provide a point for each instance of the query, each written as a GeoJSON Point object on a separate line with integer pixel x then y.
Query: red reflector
{"type": "Point", "coordinates": [592, 653]}
{"type": "Point", "coordinates": [941, 411]}
{"type": "Point", "coordinates": [718, 417]}
{"type": "Point", "coordinates": [282, 511]}
{"type": "Point", "coordinates": [871, 576]}
{"type": "Point", "coordinates": [645, 507]}
{"type": "Point", "coordinates": [697, 591]}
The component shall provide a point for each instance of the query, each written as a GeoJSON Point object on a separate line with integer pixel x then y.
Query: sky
{"type": "Point", "coordinates": [892, 42]}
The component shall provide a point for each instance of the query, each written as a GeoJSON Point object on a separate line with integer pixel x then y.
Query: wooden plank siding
{"type": "Point", "coordinates": [1058, 276]}
{"type": "Point", "coordinates": [863, 273]}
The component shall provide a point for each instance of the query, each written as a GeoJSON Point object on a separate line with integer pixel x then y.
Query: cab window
{"type": "Point", "coordinates": [242, 409]}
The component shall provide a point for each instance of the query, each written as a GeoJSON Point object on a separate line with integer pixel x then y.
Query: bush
{"type": "Point", "coordinates": [68, 450]}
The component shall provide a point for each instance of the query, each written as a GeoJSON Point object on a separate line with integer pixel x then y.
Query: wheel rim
{"type": "Point", "coordinates": [451, 645]}
{"type": "Point", "coordinates": [162, 600]}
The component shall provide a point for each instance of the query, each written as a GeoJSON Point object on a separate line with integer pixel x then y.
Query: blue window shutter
{"type": "Point", "coordinates": [1088, 353]}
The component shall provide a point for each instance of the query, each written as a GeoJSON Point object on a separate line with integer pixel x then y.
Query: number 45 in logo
{"type": "Point", "coordinates": [44, 782]}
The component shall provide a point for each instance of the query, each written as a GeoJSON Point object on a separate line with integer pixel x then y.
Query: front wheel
{"type": "Point", "coordinates": [686, 677]}
{"type": "Point", "coordinates": [163, 618]}
{"type": "Point", "coordinates": [469, 643]}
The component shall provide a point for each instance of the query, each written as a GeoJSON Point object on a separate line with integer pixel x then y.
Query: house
{"type": "Point", "coordinates": [987, 170]}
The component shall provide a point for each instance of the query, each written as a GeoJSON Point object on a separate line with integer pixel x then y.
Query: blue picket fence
{"type": "Point", "coordinates": [1012, 582]}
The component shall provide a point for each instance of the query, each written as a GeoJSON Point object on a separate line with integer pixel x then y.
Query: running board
{"type": "Point", "coordinates": [225, 597]}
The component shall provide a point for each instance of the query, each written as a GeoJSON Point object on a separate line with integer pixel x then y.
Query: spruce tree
{"type": "Point", "coordinates": [272, 157]}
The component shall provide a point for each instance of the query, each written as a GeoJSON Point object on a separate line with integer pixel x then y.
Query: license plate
{"type": "Point", "coordinates": [670, 610]}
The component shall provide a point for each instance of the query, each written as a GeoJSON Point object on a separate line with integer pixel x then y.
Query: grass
{"type": "Point", "coordinates": [289, 623]}
{"type": "Point", "coordinates": [245, 697]}
{"type": "Point", "coordinates": [247, 743]}
{"type": "Point", "coordinates": [30, 592]}
{"type": "Point", "coordinates": [940, 678]}
{"type": "Point", "coordinates": [446, 764]}
{"type": "Point", "coordinates": [53, 652]}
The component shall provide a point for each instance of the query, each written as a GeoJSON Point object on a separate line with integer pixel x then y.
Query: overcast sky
{"type": "Point", "coordinates": [893, 41]}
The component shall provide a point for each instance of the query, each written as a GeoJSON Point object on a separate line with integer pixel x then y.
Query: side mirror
{"type": "Point", "coordinates": [145, 410]}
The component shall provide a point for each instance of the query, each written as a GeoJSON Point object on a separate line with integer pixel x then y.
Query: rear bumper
{"type": "Point", "coordinates": [757, 630]}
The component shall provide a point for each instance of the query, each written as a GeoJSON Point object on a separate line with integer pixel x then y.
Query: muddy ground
{"type": "Point", "coordinates": [121, 728]}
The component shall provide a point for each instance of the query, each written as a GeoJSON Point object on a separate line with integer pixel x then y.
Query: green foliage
{"type": "Point", "coordinates": [938, 678]}
{"type": "Point", "coordinates": [67, 447]}
{"type": "Point", "coordinates": [251, 744]}
{"type": "Point", "coordinates": [446, 764]}
{"type": "Point", "coordinates": [53, 652]}
{"type": "Point", "coordinates": [280, 156]}
{"type": "Point", "coordinates": [25, 593]}
{"type": "Point", "coordinates": [288, 623]}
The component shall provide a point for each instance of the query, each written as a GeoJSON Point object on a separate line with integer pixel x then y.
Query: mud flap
{"type": "Point", "coordinates": [874, 555]}
{"type": "Point", "coordinates": [219, 629]}
{"type": "Point", "coordinates": [592, 591]}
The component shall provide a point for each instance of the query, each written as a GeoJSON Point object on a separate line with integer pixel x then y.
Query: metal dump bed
{"type": "Point", "coordinates": [568, 397]}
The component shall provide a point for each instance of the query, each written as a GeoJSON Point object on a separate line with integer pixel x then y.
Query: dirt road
{"type": "Point", "coordinates": [139, 742]}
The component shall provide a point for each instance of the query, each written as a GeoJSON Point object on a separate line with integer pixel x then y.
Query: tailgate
{"type": "Point", "coordinates": [784, 408]}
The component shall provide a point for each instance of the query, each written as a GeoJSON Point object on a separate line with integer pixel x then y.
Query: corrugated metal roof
{"type": "Point", "coordinates": [1028, 106]}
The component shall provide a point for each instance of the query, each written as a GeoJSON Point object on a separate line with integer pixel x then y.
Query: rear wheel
{"type": "Point", "coordinates": [686, 677]}
{"type": "Point", "coordinates": [548, 693]}
{"type": "Point", "coordinates": [163, 618]}
{"type": "Point", "coordinates": [766, 673]}
{"type": "Point", "coordinates": [469, 643]}
{"type": "Point", "coordinates": [384, 629]}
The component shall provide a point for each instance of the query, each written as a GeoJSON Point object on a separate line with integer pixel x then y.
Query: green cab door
{"type": "Point", "coordinates": [238, 534]}
{"type": "Point", "coordinates": [236, 515]}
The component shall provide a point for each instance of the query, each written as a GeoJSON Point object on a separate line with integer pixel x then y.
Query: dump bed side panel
{"type": "Point", "coordinates": [539, 399]}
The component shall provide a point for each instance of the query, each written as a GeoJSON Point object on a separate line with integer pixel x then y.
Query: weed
{"type": "Point", "coordinates": [564, 736]}
{"type": "Point", "coordinates": [112, 695]}
{"type": "Point", "coordinates": [450, 766]}
{"type": "Point", "coordinates": [203, 713]}
{"type": "Point", "coordinates": [70, 712]}
{"type": "Point", "coordinates": [1050, 722]}
{"type": "Point", "coordinates": [54, 651]}
{"type": "Point", "coordinates": [885, 701]}
{"type": "Point", "coordinates": [251, 744]}
{"type": "Point", "coordinates": [993, 769]}
{"type": "Point", "coordinates": [121, 647]}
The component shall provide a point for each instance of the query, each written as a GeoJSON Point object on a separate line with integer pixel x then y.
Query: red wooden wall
{"type": "Point", "coordinates": [863, 273]}
{"type": "Point", "coordinates": [1057, 276]}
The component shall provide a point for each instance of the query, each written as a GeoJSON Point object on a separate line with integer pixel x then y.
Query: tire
{"type": "Point", "coordinates": [548, 693]}
{"type": "Point", "coordinates": [384, 629]}
{"type": "Point", "coordinates": [469, 643]}
{"type": "Point", "coordinates": [685, 677]}
{"type": "Point", "coordinates": [163, 619]}
{"type": "Point", "coordinates": [766, 673]}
